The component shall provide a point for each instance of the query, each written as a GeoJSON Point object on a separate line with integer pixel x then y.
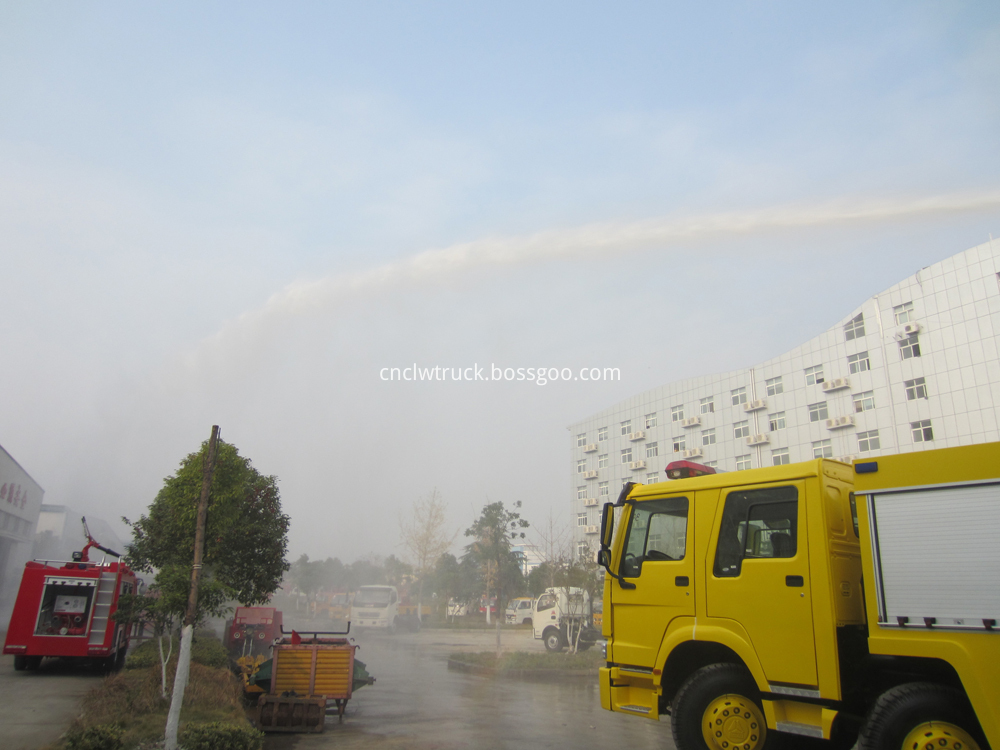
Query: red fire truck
{"type": "Point", "coordinates": [65, 609]}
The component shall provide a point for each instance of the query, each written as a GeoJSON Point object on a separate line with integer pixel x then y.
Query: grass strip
{"type": "Point", "coordinates": [130, 700]}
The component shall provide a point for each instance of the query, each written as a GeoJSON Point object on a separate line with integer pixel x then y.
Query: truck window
{"type": "Point", "coordinates": [546, 601]}
{"type": "Point", "coordinates": [657, 531]}
{"type": "Point", "coordinates": [756, 524]}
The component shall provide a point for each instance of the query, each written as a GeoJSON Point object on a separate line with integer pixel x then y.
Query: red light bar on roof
{"type": "Point", "coordinates": [684, 469]}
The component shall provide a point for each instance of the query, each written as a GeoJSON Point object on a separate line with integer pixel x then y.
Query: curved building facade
{"type": "Point", "coordinates": [913, 368]}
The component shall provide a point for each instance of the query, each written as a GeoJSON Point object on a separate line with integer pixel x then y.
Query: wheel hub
{"type": "Point", "coordinates": [938, 735]}
{"type": "Point", "coordinates": [733, 722]}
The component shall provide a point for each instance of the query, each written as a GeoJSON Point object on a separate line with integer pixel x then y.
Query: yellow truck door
{"type": "Point", "coordinates": [758, 577]}
{"type": "Point", "coordinates": [657, 558]}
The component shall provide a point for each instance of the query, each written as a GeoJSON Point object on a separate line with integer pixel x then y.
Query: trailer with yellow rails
{"type": "Point", "coordinates": [811, 599]}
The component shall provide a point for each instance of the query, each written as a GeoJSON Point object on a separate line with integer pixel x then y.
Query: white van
{"type": "Point", "coordinates": [519, 611]}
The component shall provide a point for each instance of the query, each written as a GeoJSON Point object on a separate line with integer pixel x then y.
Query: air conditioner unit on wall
{"type": "Point", "coordinates": [590, 475]}
{"type": "Point", "coordinates": [692, 453]}
{"type": "Point", "coordinates": [907, 329]}
{"type": "Point", "coordinates": [635, 465]}
{"type": "Point", "coordinates": [836, 384]}
{"type": "Point", "coordinates": [758, 439]}
{"type": "Point", "coordinates": [691, 422]}
{"type": "Point", "coordinates": [637, 435]}
{"type": "Point", "coordinates": [589, 502]}
{"type": "Point", "coordinates": [592, 529]}
{"type": "Point", "coordinates": [755, 405]}
{"type": "Point", "coordinates": [590, 448]}
{"type": "Point", "coordinates": [846, 459]}
{"type": "Point", "coordinates": [837, 422]}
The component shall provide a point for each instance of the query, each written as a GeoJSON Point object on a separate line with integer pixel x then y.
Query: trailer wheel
{"type": "Point", "coordinates": [719, 708]}
{"type": "Point", "coordinates": [20, 663]}
{"type": "Point", "coordinates": [553, 640]}
{"type": "Point", "coordinates": [919, 714]}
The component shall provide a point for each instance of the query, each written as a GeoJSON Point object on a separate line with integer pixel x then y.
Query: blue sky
{"type": "Point", "coordinates": [195, 205]}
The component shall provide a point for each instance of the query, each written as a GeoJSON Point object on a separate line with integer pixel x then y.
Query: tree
{"type": "Point", "coordinates": [219, 521]}
{"type": "Point", "coordinates": [492, 535]}
{"type": "Point", "coordinates": [246, 535]}
{"type": "Point", "coordinates": [424, 538]}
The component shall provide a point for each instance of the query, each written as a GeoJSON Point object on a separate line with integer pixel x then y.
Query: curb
{"type": "Point", "coordinates": [535, 675]}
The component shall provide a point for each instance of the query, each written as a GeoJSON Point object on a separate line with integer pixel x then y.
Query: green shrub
{"type": "Point", "coordinates": [207, 651]}
{"type": "Point", "coordinates": [219, 736]}
{"type": "Point", "coordinates": [101, 737]}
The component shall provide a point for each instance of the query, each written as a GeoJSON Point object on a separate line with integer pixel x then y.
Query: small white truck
{"type": "Point", "coordinates": [561, 616]}
{"type": "Point", "coordinates": [520, 611]}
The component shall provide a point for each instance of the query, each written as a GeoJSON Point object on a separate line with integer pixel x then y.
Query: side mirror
{"type": "Point", "coordinates": [607, 525]}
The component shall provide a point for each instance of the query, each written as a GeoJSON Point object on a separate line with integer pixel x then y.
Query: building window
{"type": "Point", "coordinates": [858, 363]}
{"type": "Point", "coordinates": [868, 441]}
{"type": "Point", "coordinates": [581, 439]}
{"type": "Point", "coordinates": [626, 455]}
{"type": "Point", "coordinates": [650, 420]}
{"type": "Point", "coordinates": [581, 519]}
{"type": "Point", "coordinates": [711, 464]}
{"type": "Point", "coordinates": [739, 396]}
{"type": "Point", "coordinates": [708, 436]}
{"type": "Point", "coordinates": [864, 401]}
{"type": "Point", "coordinates": [776, 421]}
{"type": "Point", "coordinates": [922, 432]}
{"type": "Point", "coordinates": [743, 462]}
{"type": "Point", "coordinates": [822, 449]}
{"type": "Point", "coordinates": [602, 489]}
{"type": "Point", "coordinates": [903, 313]}
{"type": "Point", "coordinates": [814, 375]}
{"type": "Point", "coordinates": [581, 466]}
{"type": "Point", "coordinates": [779, 456]}
{"type": "Point", "coordinates": [626, 482]}
{"type": "Point", "coordinates": [652, 449]}
{"type": "Point", "coordinates": [581, 493]}
{"type": "Point", "coordinates": [855, 327]}
{"type": "Point", "coordinates": [676, 413]}
{"type": "Point", "coordinates": [915, 389]}
{"type": "Point", "coordinates": [626, 427]}
{"type": "Point", "coordinates": [741, 429]}
{"type": "Point", "coordinates": [774, 386]}
{"type": "Point", "coordinates": [707, 405]}
{"type": "Point", "coordinates": [817, 412]}
{"type": "Point", "coordinates": [909, 347]}
{"type": "Point", "coordinates": [653, 478]}
{"type": "Point", "coordinates": [678, 444]}
{"type": "Point", "coordinates": [602, 461]}
{"type": "Point", "coordinates": [602, 434]}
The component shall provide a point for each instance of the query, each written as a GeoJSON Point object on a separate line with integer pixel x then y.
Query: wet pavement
{"type": "Point", "coordinates": [36, 707]}
{"type": "Point", "coordinates": [418, 703]}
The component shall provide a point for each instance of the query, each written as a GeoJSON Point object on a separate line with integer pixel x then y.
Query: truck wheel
{"type": "Point", "coordinates": [20, 663]}
{"type": "Point", "coordinates": [33, 662]}
{"type": "Point", "coordinates": [921, 714]}
{"type": "Point", "coordinates": [719, 708]}
{"type": "Point", "coordinates": [553, 640]}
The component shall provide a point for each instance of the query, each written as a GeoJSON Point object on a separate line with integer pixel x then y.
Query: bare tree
{"type": "Point", "coordinates": [424, 538]}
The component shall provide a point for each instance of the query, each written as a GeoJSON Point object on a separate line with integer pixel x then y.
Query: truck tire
{"type": "Point", "coordinates": [20, 662]}
{"type": "Point", "coordinates": [33, 662]}
{"type": "Point", "coordinates": [918, 714]}
{"type": "Point", "coordinates": [553, 640]}
{"type": "Point", "coordinates": [719, 708]}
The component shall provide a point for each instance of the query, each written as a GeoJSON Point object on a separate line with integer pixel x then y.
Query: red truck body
{"type": "Point", "coordinates": [65, 608]}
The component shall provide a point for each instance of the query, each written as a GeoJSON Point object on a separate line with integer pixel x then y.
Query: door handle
{"type": "Point", "coordinates": [794, 581]}
{"type": "Point", "coordinates": [681, 581]}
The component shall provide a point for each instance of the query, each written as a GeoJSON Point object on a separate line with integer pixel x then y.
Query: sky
{"type": "Point", "coordinates": [240, 213]}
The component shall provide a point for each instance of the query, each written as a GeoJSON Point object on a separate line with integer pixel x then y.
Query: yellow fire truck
{"type": "Point", "coordinates": [810, 599]}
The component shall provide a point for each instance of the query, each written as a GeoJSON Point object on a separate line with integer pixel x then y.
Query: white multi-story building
{"type": "Point", "coordinates": [913, 368]}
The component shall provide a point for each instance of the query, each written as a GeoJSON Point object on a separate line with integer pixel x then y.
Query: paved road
{"type": "Point", "coordinates": [417, 703]}
{"type": "Point", "coordinates": [37, 707]}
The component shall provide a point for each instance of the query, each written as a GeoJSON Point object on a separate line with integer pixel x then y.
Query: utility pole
{"type": "Point", "coordinates": [187, 634]}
